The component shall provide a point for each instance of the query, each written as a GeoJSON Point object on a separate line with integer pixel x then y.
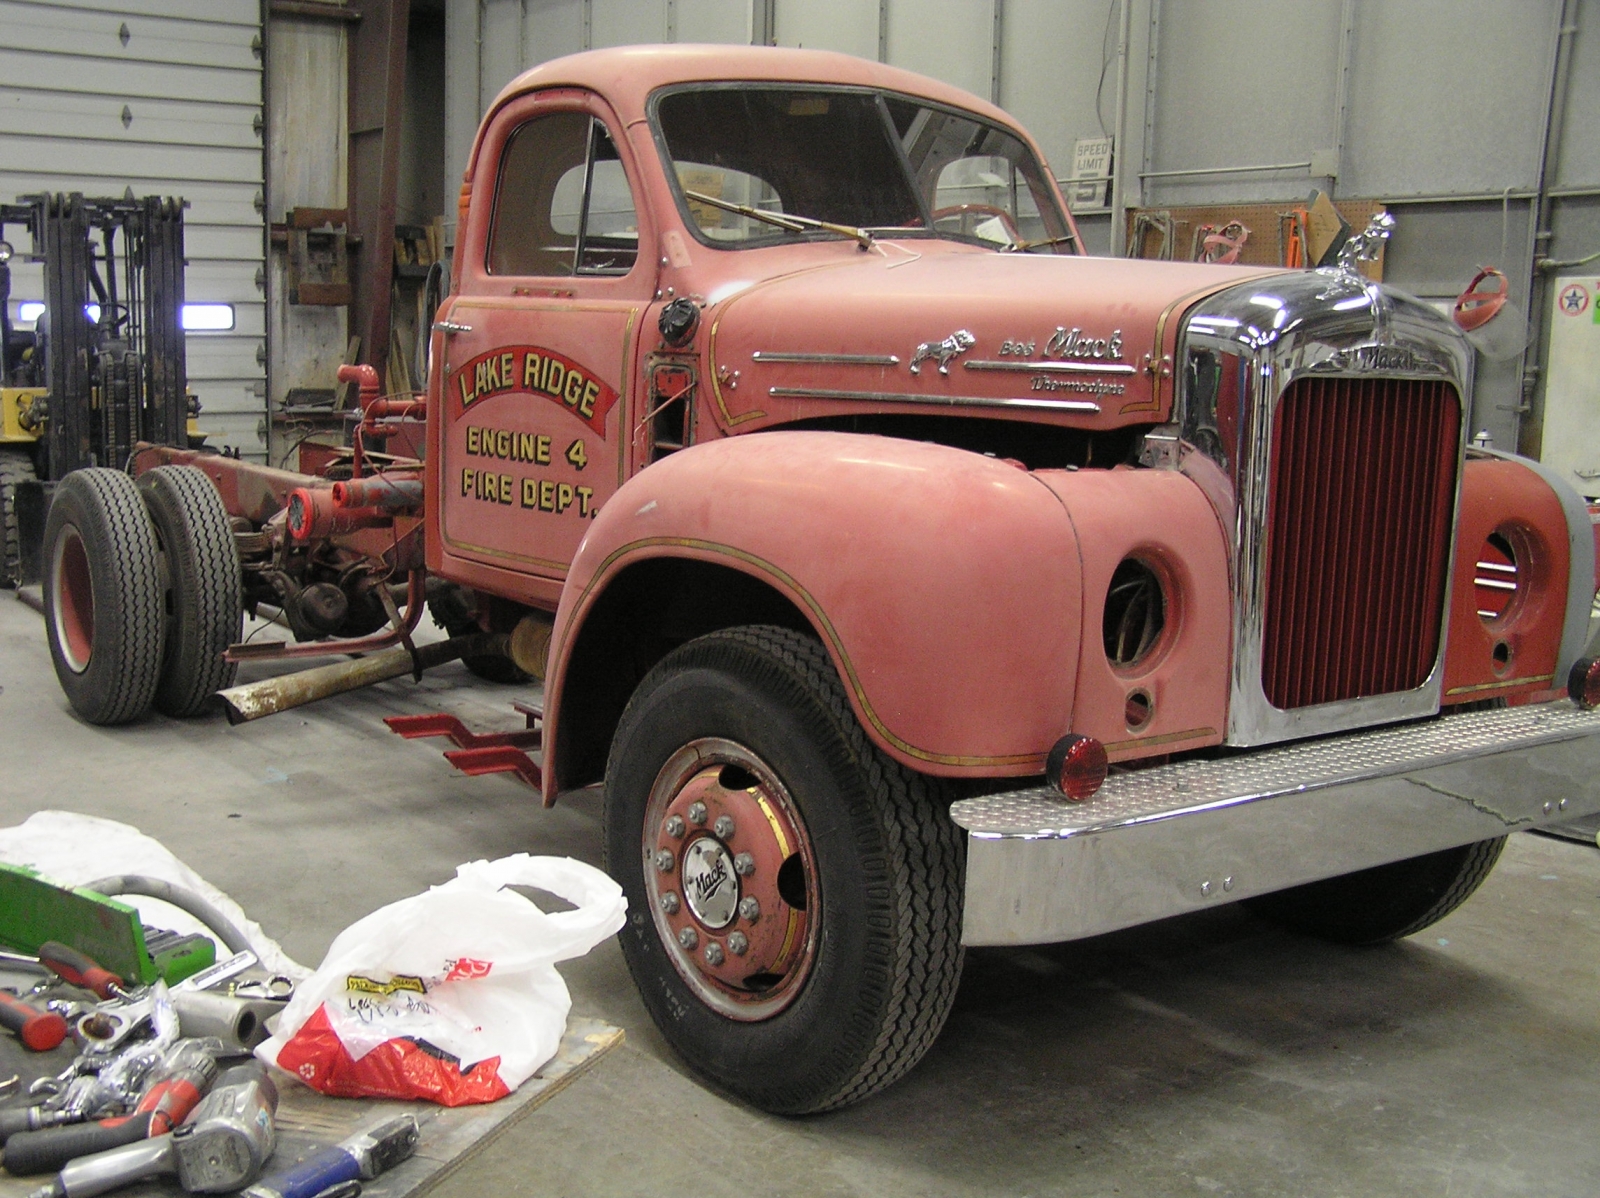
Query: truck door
{"type": "Point", "coordinates": [540, 340]}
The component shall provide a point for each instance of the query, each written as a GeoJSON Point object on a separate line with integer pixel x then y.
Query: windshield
{"type": "Point", "coordinates": [851, 157]}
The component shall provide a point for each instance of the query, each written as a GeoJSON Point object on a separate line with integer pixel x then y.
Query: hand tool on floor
{"type": "Point", "coordinates": [222, 1148]}
{"type": "Point", "coordinates": [30, 1118]}
{"type": "Point", "coordinates": [240, 1023]}
{"type": "Point", "coordinates": [361, 1157]}
{"type": "Point", "coordinates": [176, 1086]}
{"type": "Point", "coordinates": [38, 1030]}
{"type": "Point", "coordinates": [218, 973]}
{"type": "Point", "coordinates": [80, 969]}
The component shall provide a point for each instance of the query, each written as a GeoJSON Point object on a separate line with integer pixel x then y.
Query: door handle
{"type": "Point", "coordinates": [450, 326]}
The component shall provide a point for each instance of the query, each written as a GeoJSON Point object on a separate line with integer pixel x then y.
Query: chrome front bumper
{"type": "Point", "coordinates": [1178, 837]}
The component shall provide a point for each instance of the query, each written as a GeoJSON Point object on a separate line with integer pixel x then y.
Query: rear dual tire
{"type": "Point", "coordinates": [204, 603]}
{"type": "Point", "coordinates": [141, 592]}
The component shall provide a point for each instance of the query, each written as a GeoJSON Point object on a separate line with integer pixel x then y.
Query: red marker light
{"type": "Point", "coordinates": [1077, 766]}
{"type": "Point", "coordinates": [1583, 683]}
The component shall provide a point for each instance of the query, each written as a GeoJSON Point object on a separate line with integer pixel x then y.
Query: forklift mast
{"type": "Point", "coordinates": [119, 378]}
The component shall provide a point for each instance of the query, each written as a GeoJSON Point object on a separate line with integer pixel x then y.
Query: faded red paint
{"type": "Point", "coordinates": [1505, 496]}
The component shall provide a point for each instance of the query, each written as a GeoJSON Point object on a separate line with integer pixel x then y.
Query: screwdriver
{"type": "Point", "coordinates": [80, 969]}
{"type": "Point", "coordinates": [39, 1030]}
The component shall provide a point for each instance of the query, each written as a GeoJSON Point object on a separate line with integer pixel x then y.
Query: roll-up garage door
{"type": "Point", "coordinates": [164, 97]}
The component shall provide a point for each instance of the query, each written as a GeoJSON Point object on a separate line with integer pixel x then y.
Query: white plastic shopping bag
{"type": "Point", "coordinates": [450, 995]}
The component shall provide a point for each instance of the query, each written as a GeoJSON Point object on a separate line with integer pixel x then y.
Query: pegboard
{"type": "Point", "coordinates": [1265, 247]}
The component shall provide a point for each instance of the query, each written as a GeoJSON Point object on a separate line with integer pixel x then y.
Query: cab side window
{"type": "Point", "coordinates": [562, 203]}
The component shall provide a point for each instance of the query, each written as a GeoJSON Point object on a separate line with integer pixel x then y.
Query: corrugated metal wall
{"type": "Point", "coordinates": [1435, 108]}
{"type": "Point", "coordinates": [163, 96]}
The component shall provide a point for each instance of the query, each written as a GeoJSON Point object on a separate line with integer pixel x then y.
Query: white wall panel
{"type": "Point", "coordinates": [1580, 143]}
{"type": "Point", "coordinates": [1447, 97]}
{"type": "Point", "coordinates": [172, 108]}
{"type": "Point", "coordinates": [951, 40]}
{"type": "Point", "coordinates": [500, 52]}
{"type": "Point", "coordinates": [554, 29]}
{"type": "Point", "coordinates": [308, 123]}
{"type": "Point", "coordinates": [725, 21]}
{"type": "Point", "coordinates": [1242, 83]}
{"type": "Point", "coordinates": [627, 22]}
{"type": "Point", "coordinates": [1050, 70]}
{"type": "Point", "coordinates": [850, 26]}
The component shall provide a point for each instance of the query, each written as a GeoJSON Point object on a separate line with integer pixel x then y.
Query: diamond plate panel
{"type": "Point", "coordinates": [1194, 784]}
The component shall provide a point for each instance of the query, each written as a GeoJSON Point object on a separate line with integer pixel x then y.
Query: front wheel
{"type": "Point", "coordinates": [1375, 906]}
{"type": "Point", "coordinates": [794, 895]}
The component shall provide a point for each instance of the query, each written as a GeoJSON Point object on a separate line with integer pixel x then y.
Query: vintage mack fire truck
{"type": "Point", "coordinates": [909, 579]}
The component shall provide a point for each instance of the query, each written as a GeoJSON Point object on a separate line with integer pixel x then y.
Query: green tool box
{"type": "Point", "coordinates": [34, 909]}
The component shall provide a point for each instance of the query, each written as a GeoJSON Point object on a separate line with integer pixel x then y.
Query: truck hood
{"type": "Point", "coordinates": [923, 325]}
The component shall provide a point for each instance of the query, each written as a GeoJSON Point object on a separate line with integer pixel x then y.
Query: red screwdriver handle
{"type": "Point", "coordinates": [39, 1030]}
{"type": "Point", "coordinates": [79, 968]}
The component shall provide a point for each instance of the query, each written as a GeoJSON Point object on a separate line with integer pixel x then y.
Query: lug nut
{"type": "Point", "coordinates": [744, 865]}
{"type": "Point", "coordinates": [738, 944]}
{"type": "Point", "coordinates": [674, 827]}
{"type": "Point", "coordinates": [669, 902]}
{"type": "Point", "coordinates": [723, 827]}
{"type": "Point", "coordinates": [664, 861]}
{"type": "Point", "coordinates": [688, 937]}
{"type": "Point", "coordinates": [714, 954]}
{"type": "Point", "coordinates": [749, 908]}
{"type": "Point", "coordinates": [697, 813]}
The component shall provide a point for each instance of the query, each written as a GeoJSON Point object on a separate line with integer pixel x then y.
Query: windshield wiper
{"type": "Point", "coordinates": [785, 220]}
{"type": "Point", "coordinates": [1022, 247]}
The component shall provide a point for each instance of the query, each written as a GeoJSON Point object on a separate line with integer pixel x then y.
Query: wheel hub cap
{"type": "Point", "coordinates": [731, 880]}
{"type": "Point", "coordinates": [709, 883]}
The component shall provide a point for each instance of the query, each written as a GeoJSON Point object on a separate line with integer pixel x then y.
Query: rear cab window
{"type": "Point", "coordinates": [562, 203]}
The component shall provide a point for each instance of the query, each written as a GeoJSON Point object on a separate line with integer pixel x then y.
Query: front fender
{"type": "Point", "coordinates": [945, 585]}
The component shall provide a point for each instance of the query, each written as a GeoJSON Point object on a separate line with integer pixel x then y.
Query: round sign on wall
{"type": "Point", "coordinates": [1573, 300]}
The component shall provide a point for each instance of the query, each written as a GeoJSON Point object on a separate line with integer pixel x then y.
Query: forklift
{"type": "Point", "coordinates": [104, 367]}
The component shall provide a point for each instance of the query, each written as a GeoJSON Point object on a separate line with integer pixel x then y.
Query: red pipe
{"type": "Point", "coordinates": [379, 491]}
{"type": "Point", "coordinates": [315, 513]}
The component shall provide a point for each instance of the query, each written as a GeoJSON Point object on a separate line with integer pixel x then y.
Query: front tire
{"type": "Point", "coordinates": [739, 773]}
{"type": "Point", "coordinates": [102, 596]}
{"type": "Point", "coordinates": [1388, 902]}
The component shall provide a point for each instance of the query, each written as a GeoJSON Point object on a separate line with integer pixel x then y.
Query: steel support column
{"type": "Point", "coordinates": [377, 81]}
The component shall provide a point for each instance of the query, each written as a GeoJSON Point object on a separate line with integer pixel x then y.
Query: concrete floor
{"type": "Point", "coordinates": [1209, 1054]}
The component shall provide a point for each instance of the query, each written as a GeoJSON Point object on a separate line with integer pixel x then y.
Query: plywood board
{"type": "Point", "coordinates": [309, 1122]}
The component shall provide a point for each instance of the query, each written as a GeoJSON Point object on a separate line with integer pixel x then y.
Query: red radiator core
{"type": "Point", "coordinates": [1358, 528]}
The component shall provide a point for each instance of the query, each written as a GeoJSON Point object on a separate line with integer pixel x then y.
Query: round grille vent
{"type": "Point", "coordinates": [1136, 612]}
{"type": "Point", "coordinates": [1494, 582]}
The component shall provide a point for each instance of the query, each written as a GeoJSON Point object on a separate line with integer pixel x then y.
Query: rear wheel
{"type": "Point", "coordinates": [794, 895]}
{"type": "Point", "coordinates": [203, 605]}
{"type": "Point", "coordinates": [16, 468]}
{"type": "Point", "coordinates": [1375, 906]}
{"type": "Point", "coordinates": [103, 598]}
